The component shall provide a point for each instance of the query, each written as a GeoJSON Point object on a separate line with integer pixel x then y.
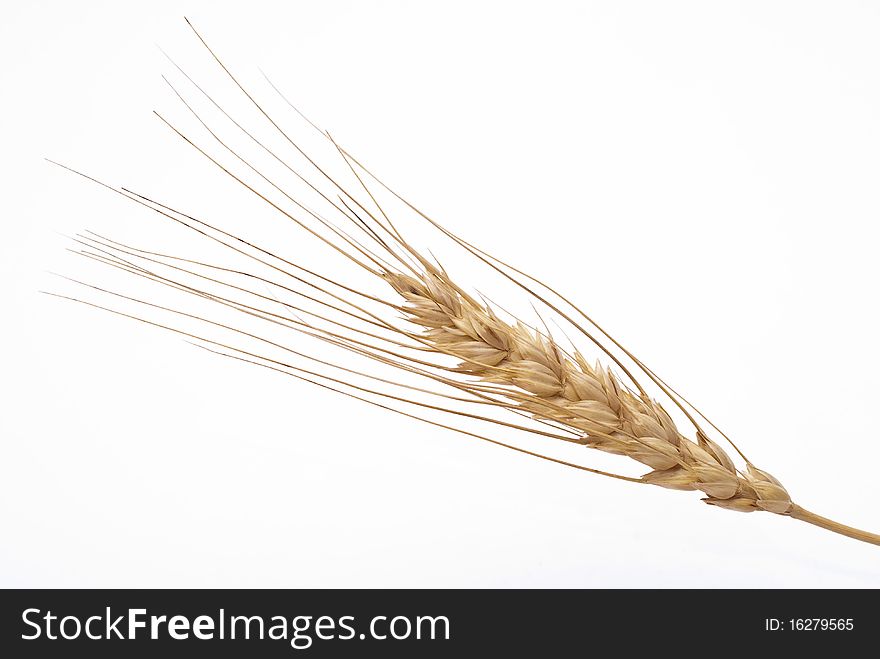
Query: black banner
{"type": "Point", "coordinates": [430, 623]}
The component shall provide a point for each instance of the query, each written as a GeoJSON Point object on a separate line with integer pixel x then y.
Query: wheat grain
{"type": "Point", "coordinates": [576, 394]}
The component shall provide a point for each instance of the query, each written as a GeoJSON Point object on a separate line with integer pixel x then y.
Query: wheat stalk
{"type": "Point", "coordinates": [500, 364]}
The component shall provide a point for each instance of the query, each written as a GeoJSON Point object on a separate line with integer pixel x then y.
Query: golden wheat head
{"type": "Point", "coordinates": [455, 353]}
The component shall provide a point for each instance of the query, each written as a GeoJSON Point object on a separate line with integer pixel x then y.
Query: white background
{"type": "Point", "coordinates": [701, 176]}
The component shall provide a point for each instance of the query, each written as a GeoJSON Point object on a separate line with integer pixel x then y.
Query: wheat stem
{"type": "Point", "coordinates": [805, 515]}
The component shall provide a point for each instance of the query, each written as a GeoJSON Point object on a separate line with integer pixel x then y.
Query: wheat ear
{"type": "Point", "coordinates": [480, 356]}
{"type": "Point", "coordinates": [591, 399]}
